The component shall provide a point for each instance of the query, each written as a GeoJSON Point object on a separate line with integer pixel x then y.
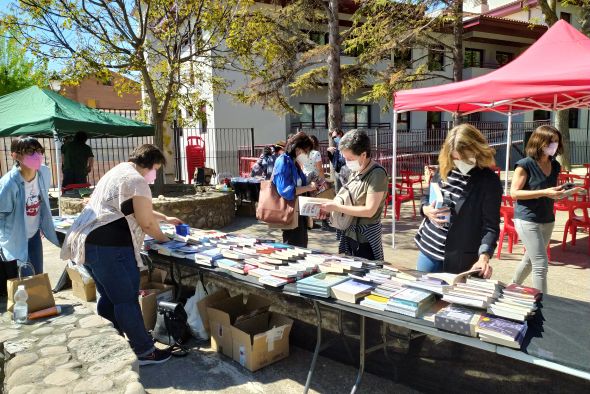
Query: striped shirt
{"type": "Point", "coordinates": [372, 232]}
{"type": "Point", "coordinates": [431, 238]}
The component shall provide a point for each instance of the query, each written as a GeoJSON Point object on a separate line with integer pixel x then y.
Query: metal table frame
{"type": "Point", "coordinates": [385, 318]}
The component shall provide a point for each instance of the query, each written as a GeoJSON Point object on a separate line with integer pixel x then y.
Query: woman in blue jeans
{"type": "Point", "coordinates": [25, 213]}
{"type": "Point", "coordinates": [107, 238]}
{"type": "Point", "coordinates": [463, 234]}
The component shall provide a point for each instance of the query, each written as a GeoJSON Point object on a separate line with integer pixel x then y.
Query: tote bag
{"type": "Point", "coordinates": [272, 208]}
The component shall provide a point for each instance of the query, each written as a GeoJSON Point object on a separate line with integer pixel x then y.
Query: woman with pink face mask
{"type": "Point", "coordinates": [107, 238]}
{"type": "Point", "coordinates": [534, 187]}
{"type": "Point", "coordinates": [25, 213]}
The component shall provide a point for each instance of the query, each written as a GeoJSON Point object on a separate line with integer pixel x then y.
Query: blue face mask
{"type": "Point", "coordinates": [337, 140]}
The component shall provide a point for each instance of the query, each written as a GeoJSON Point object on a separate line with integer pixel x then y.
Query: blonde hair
{"type": "Point", "coordinates": [465, 139]}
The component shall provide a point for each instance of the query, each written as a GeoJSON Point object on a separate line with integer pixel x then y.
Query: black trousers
{"type": "Point", "coordinates": [363, 250]}
{"type": "Point", "coordinates": [297, 236]}
{"type": "Point", "coordinates": [8, 270]}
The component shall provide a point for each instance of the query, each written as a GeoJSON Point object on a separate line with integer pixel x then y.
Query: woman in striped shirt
{"type": "Point", "coordinates": [463, 233]}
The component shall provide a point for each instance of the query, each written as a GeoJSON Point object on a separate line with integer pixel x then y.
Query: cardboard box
{"type": "Point", "coordinates": [84, 291]}
{"type": "Point", "coordinates": [204, 304]}
{"type": "Point", "coordinates": [223, 314]}
{"type": "Point", "coordinates": [164, 292]}
{"type": "Point", "coordinates": [261, 340]}
{"type": "Point", "coordinates": [149, 306]}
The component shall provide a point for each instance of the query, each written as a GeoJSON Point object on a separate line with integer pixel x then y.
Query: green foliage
{"type": "Point", "coordinates": [16, 70]}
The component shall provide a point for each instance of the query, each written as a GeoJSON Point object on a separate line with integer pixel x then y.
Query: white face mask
{"type": "Point", "coordinates": [551, 149]}
{"type": "Point", "coordinates": [353, 165]}
{"type": "Point", "coordinates": [465, 166]}
{"type": "Point", "coordinates": [302, 158]}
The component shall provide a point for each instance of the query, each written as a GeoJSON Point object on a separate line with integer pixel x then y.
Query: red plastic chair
{"type": "Point", "coordinates": [576, 221]}
{"type": "Point", "coordinates": [498, 171]}
{"type": "Point", "coordinates": [410, 178]}
{"type": "Point", "coordinates": [587, 167]}
{"type": "Point", "coordinates": [507, 213]}
{"type": "Point", "coordinates": [402, 194]}
{"type": "Point", "coordinates": [507, 201]}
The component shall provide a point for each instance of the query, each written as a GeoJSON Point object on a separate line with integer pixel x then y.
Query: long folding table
{"type": "Point", "coordinates": [557, 338]}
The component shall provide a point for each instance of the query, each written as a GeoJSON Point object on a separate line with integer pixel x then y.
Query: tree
{"type": "Point", "coordinates": [16, 70]}
{"type": "Point", "coordinates": [170, 44]}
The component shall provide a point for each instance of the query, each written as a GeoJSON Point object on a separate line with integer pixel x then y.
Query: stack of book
{"type": "Point", "coordinates": [374, 301]}
{"type": "Point", "coordinates": [319, 284]}
{"type": "Point", "coordinates": [458, 319]}
{"type": "Point", "coordinates": [238, 267]}
{"type": "Point", "coordinates": [475, 292]}
{"type": "Point", "coordinates": [501, 331]}
{"type": "Point", "coordinates": [440, 282]}
{"type": "Point", "coordinates": [411, 302]}
{"type": "Point", "coordinates": [208, 257]}
{"type": "Point", "coordinates": [351, 290]}
{"type": "Point", "coordinates": [516, 303]}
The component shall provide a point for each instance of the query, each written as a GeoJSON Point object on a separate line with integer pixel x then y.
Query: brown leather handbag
{"type": "Point", "coordinates": [272, 208]}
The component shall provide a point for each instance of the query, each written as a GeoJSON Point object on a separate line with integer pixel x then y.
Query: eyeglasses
{"type": "Point", "coordinates": [31, 150]}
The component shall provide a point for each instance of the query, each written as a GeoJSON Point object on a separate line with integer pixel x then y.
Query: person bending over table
{"type": "Point", "coordinates": [463, 234]}
{"type": "Point", "coordinates": [107, 238]}
{"type": "Point", "coordinates": [534, 187]}
{"type": "Point", "coordinates": [290, 182]}
{"type": "Point", "coordinates": [368, 186]}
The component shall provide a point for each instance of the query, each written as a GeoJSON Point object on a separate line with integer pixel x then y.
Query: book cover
{"type": "Point", "coordinates": [412, 296]}
{"type": "Point", "coordinates": [499, 327]}
{"type": "Point", "coordinates": [457, 319]}
{"type": "Point", "coordinates": [523, 291]}
{"type": "Point", "coordinates": [350, 290]}
{"type": "Point", "coordinates": [310, 206]}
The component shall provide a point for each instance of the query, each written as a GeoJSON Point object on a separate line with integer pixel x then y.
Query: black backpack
{"type": "Point", "coordinates": [171, 327]}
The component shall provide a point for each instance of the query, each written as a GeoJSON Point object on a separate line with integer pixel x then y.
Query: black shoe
{"type": "Point", "coordinates": [156, 357]}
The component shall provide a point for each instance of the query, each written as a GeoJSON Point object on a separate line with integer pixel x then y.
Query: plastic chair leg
{"type": "Point", "coordinates": [500, 242]}
{"type": "Point", "coordinates": [510, 243]}
{"type": "Point", "coordinates": [574, 229]}
{"type": "Point", "coordinates": [565, 231]}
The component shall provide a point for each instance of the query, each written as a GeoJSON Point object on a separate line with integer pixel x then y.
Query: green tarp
{"type": "Point", "coordinates": [39, 112]}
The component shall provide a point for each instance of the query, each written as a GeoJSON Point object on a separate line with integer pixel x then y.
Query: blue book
{"type": "Point", "coordinates": [436, 195]}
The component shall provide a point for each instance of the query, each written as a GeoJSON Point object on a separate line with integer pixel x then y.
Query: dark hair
{"type": "Point", "coordinates": [316, 142]}
{"type": "Point", "coordinates": [81, 137]}
{"type": "Point", "coordinates": [267, 150]}
{"type": "Point", "coordinates": [299, 140]}
{"type": "Point", "coordinates": [540, 139]}
{"type": "Point", "coordinates": [147, 155]}
{"type": "Point", "coordinates": [26, 146]}
{"type": "Point", "coordinates": [338, 132]}
{"type": "Point", "coordinates": [356, 141]}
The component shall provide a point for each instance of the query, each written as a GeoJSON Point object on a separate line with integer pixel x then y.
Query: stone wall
{"type": "Point", "coordinates": [76, 352]}
{"type": "Point", "coordinates": [206, 210]}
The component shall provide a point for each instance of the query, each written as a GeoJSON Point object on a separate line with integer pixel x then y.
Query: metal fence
{"type": "Point", "coordinates": [223, 149]}
{"type": "Point", "coordinates": [579, 153]}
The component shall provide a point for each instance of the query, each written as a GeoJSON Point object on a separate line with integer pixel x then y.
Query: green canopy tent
{"type": "Point", "coordinates": [43, 113]}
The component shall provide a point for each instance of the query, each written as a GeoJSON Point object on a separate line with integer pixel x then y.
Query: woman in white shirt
{"type": "Point", "coordinates": [312, 168]}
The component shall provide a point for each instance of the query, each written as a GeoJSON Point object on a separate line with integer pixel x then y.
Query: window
{"type": "Point", "coordinates": [433, 120]}
{"type": "Point", "coordinates": [473, 57]}
{"type": "Point", "coordinates": [357, 115]}
{"type": "Point", "coordinates": [318, 37]}
{"type": "Point", "coordinates": [566, 16]}
{"type": "Point", "coordinates": [403, 57]}
{"type": "Point", "coordinates": [314, 115]}
{"type": "Point", "coordinates": [504, 58]}
{"type": "Point", "coordinates": [403, 121]}
{"type": "Point", "coordinates": [436, 59]}
{"type": "Point", "coordinates": [540, 115]}
{"type": "Point", "coordinates": [574, 118]}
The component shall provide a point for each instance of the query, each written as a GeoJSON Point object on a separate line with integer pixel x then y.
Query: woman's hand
{"type": "Point", "coordinates": [483, 264]}
{"type": "Point", "coordinates": [173, 220]}
{"type": "Point", "coordinates": [312, 187]}
{"type": "Point", "coordinates": [438, 216]}
{"type": "Point", "coordinates": [328, 207]}
{"type": "Point", "coordinates": [555, 193]}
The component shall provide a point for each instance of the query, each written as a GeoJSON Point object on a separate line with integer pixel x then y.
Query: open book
{"type": "Point", "coordinates": [310, 206]}
{"type": "Point", "coordinates": [452, 279]}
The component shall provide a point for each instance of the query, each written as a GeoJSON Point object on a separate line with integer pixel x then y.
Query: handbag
{"type": "Point", "coordinates": [38, 289]}
{"type": "Point", "coordinates": [172, 327]}
{"type": "Point", "coordinates": [293, 224]}
{"type": "Point", "coordinates": [274, 209]}
{"type": "Point", "coordinates": [339, 220]}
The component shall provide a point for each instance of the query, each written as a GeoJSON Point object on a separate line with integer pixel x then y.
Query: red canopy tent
{"type": "Point", "coordinates": [552, 74]}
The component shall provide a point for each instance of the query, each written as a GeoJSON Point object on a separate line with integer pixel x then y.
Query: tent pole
{"type": "Point", "coordinates": [393, 177]}
{"type": "Point", "coordinates": [57, 144]}
{"type": "Point", "coordinates": [508, 148]}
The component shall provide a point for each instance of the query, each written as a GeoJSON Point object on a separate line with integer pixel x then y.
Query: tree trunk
{"type": "Point", "coordinates": [562, 124]}
{"type": "Point", "coordinates": [334, 77]}
{"type": "Point", "coordinates": [457, 48]}
{"type": "Point", "coordinates": [158, 122]}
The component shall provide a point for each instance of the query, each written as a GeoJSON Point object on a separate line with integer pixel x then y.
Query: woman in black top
{"type": "Point", "coordinates": [462, 234]}
{"type": "Point", "coordinates": [534, 187]}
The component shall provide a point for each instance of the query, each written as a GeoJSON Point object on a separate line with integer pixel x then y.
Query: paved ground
{"type": "Point", "coordinates": [205, 371]}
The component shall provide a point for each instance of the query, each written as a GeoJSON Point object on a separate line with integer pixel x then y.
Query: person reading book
{"type": "Point", "coordinates": [463, 231]}
{"type": "Point", "coordinates": [534, 187]}
{"type": "Point", "coordinates": [368, 188]}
